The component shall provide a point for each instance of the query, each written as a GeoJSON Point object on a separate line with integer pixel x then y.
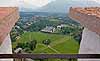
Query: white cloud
{"type": "Point", "coordinates": [98, 1]}
{"type": "Point", "coordinates": [38, 3]}
{"type": "Point", "coordinates": [86, 0]}
{"type": "Point", "coordinates": [6, 3]}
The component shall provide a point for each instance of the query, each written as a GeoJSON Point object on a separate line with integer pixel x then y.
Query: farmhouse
{"type": "Point", "coordinates": [49, 29]}
{"type": "Point", "coordinates": [60, 26]}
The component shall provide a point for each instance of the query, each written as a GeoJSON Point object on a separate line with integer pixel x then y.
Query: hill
{"type": "Point", "coordinates": [62, 6]}
{"type": "Point", "coordinates": [59, 43]}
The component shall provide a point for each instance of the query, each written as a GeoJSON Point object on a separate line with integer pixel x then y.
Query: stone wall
{"type": "Point", "coordinates": [7, 21]}
{"type": "Point", "coordinates": [92, 22]}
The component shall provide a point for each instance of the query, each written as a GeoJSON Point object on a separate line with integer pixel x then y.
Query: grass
{"type": "Point", "coordinates": [62, 43]}
{"type": "Point", "coordinates": [54, 20]}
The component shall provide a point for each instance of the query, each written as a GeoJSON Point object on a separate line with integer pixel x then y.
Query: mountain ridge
{"type": "Point", "coordinates": [62, 6]}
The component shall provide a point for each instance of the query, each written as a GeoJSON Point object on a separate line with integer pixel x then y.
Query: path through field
{"type": "Point", "coordinates": [53, 49]}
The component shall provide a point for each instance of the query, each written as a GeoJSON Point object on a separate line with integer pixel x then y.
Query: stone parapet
{"type": "Point", "coordinates": [8, 17]}
{"type": "Point", "coordinates": [88, 17]}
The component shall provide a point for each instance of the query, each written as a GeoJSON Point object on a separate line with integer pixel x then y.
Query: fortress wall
{"type": "Point", "coordinates": [90, 43]}
{"type": "Point", "coordinates": [89, 21]}
{"type": "Point", "coordinates": [8, 22]}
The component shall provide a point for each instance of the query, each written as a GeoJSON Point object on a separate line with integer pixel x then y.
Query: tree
{"type": "Point", "coordinates": [67, 30]}
{"type": "Point", "coordinates": [32, 44]}
{"type": "Point", "coordinates": [27, 49]}
{"type": "Point", "coordinates": [20, 45]}
{"type": "Point", "coordinates": [46, 42]}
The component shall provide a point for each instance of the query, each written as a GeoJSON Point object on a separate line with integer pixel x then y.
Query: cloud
{"type": "Point", "coordinates": [6, 3]}
{"type": "Point", "coordinates": [38, 3]}
{"type": "Point", "coordinates": [98, 1]}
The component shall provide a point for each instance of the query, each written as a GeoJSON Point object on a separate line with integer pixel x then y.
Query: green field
{"type": "Point", "coordinates": [54, 20]}
{"type": "Point", "coordinates": [60, 44]}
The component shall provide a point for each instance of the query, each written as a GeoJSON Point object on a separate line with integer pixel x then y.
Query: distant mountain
{"type": "Point", "coordinates": [23, 9]}
{"type": "Point", "coordinates": [62, 6]}
{"type": "Point", "coordinates": [26, 7]}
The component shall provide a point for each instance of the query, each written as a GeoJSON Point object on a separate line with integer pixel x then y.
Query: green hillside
{"type": "Point", "coordinates": [59, 43]}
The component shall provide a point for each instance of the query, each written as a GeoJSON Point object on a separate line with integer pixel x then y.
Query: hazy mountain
{"type": "Point", "coordinates": [26, 7]}
{"type": "Point", "coordinates": [62, 6]}
{"type": "Point", "coordinates": [23, 9]}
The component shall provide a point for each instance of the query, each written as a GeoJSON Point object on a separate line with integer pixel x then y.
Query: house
{"type": "Point", "coordinates": [61, 26]}
{"type": "Point", "coordinates": [48, 29]}
{"type": "Point", "coordinates": [18, 50]}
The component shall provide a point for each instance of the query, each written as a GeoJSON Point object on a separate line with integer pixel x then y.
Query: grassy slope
{"type": "Point", "coordinates": [61, 43]}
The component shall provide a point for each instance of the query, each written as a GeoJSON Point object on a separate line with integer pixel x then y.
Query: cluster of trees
{"type": "Point", "coordinates": [28, 46]}
{"type": "Point", "coordinates": [67, 30]}
{"type": "Point", "coordinates": [31, 45]}
{"type": "Point", "coordinates": [75, 32]}
{"type": "Point", "coordinates": [16, 33]}
{"type": "Point", "coordinates": [42, 24]}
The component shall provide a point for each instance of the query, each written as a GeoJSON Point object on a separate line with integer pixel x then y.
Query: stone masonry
{"type": "Point", "coordinates": [8, 17]}
{"type": "Point", "coordinates": [89, 17]}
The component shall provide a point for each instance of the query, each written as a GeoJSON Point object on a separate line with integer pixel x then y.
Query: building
{"type": "Point", "coordinates": [48, 29]}
{"type": "Point", "coordinates": [61, 26]}
{"type": "Point", "coordinates": [89, 18]}
{"type": "Point", "coordinates": [8, 17]}
{"type": "Point", "coordinates": [18, 50]}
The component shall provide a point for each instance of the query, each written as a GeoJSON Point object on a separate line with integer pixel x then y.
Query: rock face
{"type": "Point", "coordinates": [8, 17]}
{"type": "Point", "coordinates": [89, 17]}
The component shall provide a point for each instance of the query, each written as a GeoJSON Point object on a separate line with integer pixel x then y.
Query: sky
{"type": "Point", "coordinates": [37, 3]}
{"type": "Point", "coordinates": [98, 1]}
